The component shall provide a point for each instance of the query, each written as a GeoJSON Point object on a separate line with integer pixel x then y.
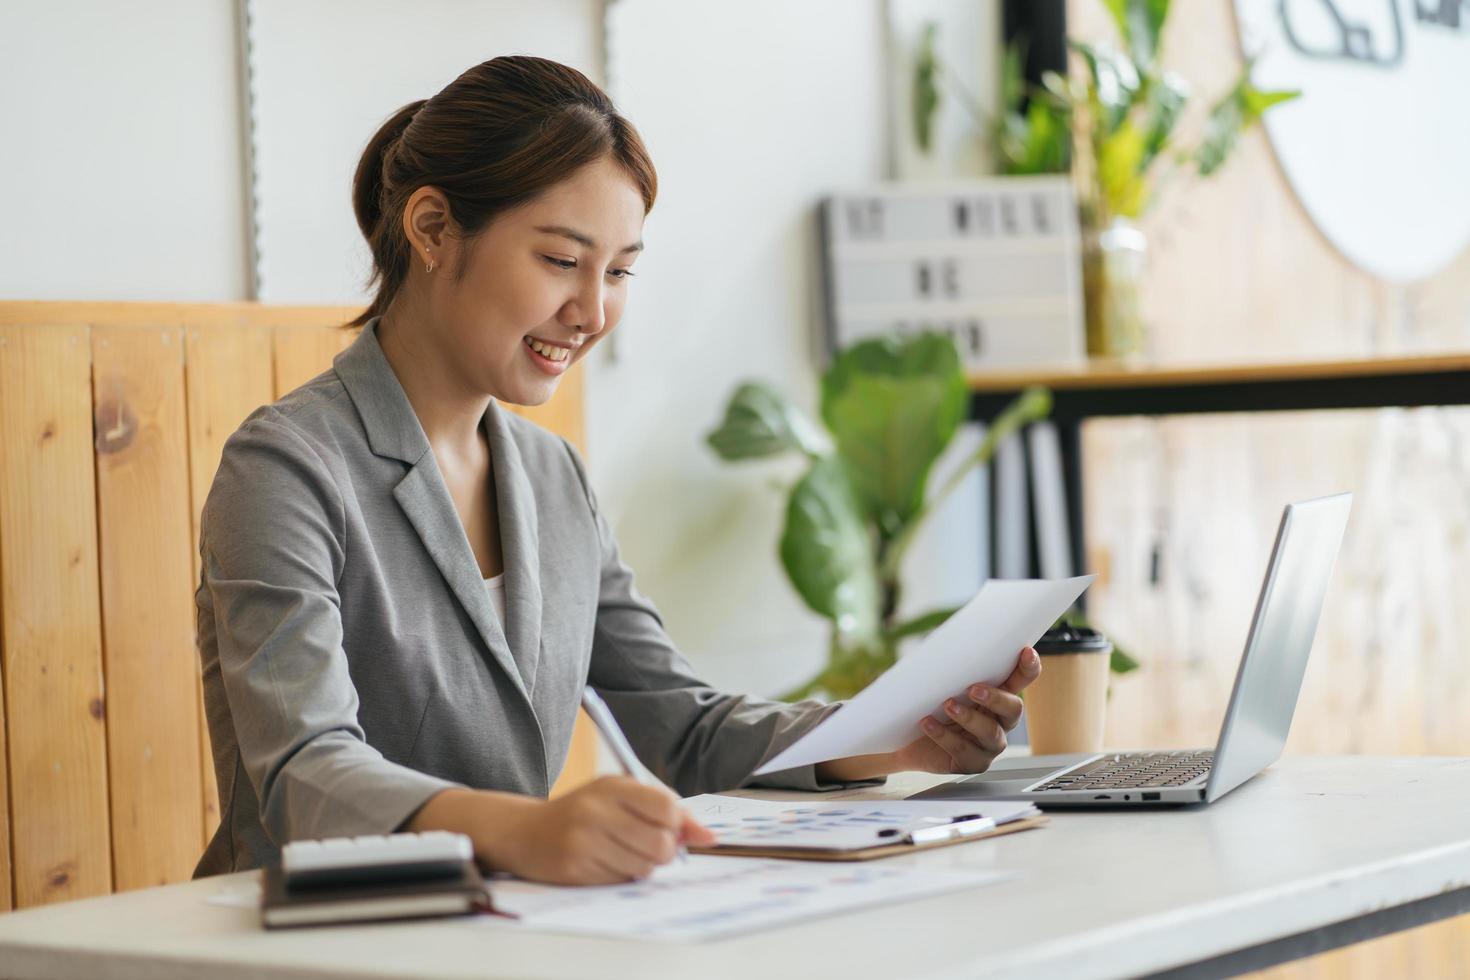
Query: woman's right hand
{"type": "Point", "coordinates": [612, 829]}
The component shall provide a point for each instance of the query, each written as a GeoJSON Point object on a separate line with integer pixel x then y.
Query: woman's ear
{"type": "Point", "coordinates": [427, 224]}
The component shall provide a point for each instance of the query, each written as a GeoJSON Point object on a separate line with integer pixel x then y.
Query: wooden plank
{"type": "Point", "coordinates": [52, 634]}
{"type": "Point", "coordinates": [581, 764]}
{"type": "Point", "coordinates": [7, 877]}
{"type": "Point", "coordinates": [147, 613]}
{"type": "Point", "coordinates": [227, 372]}
{"type": "Point", "coordinates": [301, 353]}
{"type": "Point", "coordinates": [73, 313]}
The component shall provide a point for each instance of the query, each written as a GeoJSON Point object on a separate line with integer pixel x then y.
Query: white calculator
{"type": "Point", "coordinates": [375, 858]}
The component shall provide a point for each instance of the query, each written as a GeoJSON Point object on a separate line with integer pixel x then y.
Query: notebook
{"type": "Point", "coordinates": [282, 906]}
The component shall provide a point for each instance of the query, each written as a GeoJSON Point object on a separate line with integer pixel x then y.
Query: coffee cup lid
{"type": "Point", "coordinates": [1072, 639]}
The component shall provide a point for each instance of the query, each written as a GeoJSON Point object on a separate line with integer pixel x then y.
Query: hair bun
{"type": "Point", "coordinates": [367, 183]}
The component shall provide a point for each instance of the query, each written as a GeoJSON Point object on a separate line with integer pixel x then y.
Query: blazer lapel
{"type": "Point", "coordinates": [425, 499]}
{"type": "Point", "coordinates": [516, 507]}
{"type": "Point", "coordinates": [393, 430]}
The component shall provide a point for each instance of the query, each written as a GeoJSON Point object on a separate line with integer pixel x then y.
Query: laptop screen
{"type": "Point", "coordinates": [1270, 675]}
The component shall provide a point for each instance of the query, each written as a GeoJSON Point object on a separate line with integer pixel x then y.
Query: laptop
{"type": "Point", "coordinates": [1261, 705]}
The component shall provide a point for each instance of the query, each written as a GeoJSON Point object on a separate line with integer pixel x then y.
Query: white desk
{"type": "Point", "coordinates": [1313, 853]}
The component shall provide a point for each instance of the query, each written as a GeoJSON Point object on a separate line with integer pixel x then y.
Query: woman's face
{"type": "Point", "coordinates": [541, 285]}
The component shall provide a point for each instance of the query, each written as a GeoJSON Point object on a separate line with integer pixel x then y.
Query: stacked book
{"type": "Point", "coordinates": [372, 878]}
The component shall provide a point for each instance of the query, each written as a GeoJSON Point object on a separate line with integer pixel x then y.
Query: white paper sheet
{"type": "Point", "coordinates": [709, 897]}
{"type": "Point", "coordinates": [835, 825]}
{"type": "Point", "coordinates": [979, 643]}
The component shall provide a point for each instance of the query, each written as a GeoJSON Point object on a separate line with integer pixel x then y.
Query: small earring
{"type": "Point", "coordinates": [429, 266]}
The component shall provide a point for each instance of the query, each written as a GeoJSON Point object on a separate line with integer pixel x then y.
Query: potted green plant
{"type": "Point", "coordinates": [889, 406]}
{"type": "Point", "coordinates": [1115, 129]}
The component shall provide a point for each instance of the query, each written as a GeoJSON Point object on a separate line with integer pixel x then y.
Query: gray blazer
{"type": "Point", "coordinates": [353, 664]}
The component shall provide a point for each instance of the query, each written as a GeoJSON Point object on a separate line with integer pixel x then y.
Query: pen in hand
{"type": "Point", "coordinates": [602, 717]}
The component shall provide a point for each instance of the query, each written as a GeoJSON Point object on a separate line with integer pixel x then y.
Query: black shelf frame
{"type": "Point", "coordinates": [1076, 400]}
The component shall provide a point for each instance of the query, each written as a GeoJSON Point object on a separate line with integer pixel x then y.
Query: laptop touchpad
{"type": "Point", "coordinates": [1007, 779]}
{"type": "Point", "coordinates": [1011, 775]}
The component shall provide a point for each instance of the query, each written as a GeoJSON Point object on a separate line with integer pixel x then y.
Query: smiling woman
{"type": "Point", "coordinates": [456, 185]}
{"type": "Point", "coordinates": [405, 588]}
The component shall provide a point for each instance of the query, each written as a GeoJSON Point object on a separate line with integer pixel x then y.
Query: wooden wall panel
{"type": "Point", "coordinates": [303, 352]}
{"type": "Point", "coordinates": [228, 374]}
{"type": "Point", "coordinates": [52, 631]}
{"type": "Point", "coordinates": [80, 313]}
{"type": "Point", "coordinates": [1181, 511]}
{"type": "Point", "coordinates": [171, 383]}
{"type": "Point", "coordinates": [147, 613]}
{"type": "Point", "coordinates": [7, 879]}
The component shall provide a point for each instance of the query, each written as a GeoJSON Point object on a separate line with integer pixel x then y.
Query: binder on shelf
{"type": "Point", "coordinates": [1049, 501]}
{"type": "Point", "coordinates": [1012, 511]}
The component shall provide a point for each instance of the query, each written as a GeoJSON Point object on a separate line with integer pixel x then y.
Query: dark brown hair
{"type": "Point", "coordinates": [491, 140]}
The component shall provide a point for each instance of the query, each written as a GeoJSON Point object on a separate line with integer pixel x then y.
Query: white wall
{"type": "Point", "coordinates": [122, 151]}
{"type": "Point", "coordinates": [751, 111]}
{"type": "Point", "coordinates": [327, 73]}
{"type": "Point", "coordinates": [129, 185]}
{"type": "Point", "coordinates": [968, 43]}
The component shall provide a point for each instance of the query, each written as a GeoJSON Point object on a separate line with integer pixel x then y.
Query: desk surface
{"type": "Point", "coordinates": [1312, 841]}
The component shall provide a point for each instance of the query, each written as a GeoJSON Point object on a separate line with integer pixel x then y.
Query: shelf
{"type": "Point", "coordinates": [1102, 388]}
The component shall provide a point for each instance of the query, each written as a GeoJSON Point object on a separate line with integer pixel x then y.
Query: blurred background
{"type": "Point", "coordinates": [178, 150]}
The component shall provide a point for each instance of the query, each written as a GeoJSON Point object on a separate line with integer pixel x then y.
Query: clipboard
{"type": "Point", "coordinates": [864, 853]}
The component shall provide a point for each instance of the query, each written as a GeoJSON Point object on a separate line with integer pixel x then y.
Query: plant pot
{"type": "Point", "coordinates": [1113, 262]}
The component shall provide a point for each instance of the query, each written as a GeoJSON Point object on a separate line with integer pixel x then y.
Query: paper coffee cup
{"type": "Point", "coordinates": [1066, 706]}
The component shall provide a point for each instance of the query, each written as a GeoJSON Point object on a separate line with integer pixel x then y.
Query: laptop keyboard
{"type": "Point", "coordinates": [1136, 770]}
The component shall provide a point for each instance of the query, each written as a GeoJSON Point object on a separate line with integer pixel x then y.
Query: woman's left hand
{"type": "Point", "coordinates": [968, 741]}
{"type": "Point", "coordinates": [976, 726]}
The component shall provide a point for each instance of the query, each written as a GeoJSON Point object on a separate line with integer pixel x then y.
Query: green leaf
{"type": "Point", "coordinates": [1114, 84]}
{"type": "Point", "coordinates": [759, 422]}
{"type": "Point", "coordinates": [1058, 88]}
{"type": "Point", "coordinates": [1222, 129]}
{"type": "Point", "coordinates": [1238, 110]}
{"type": "Point", "coordinates": [1257, 101]}
{"type": "Point", "coordinates": [1038, 143]}
{"type": "Point", "coordinates": [1031, 405]}
{"type": "Point", "coordinates": [1119, 10]}
{"type": "Point", "coordinates": [1120, 171]}
{"type": "Point", "coordinates": [922, 624]}
{"type": "Point", "coordinates": [827, 549]}
{"type": "Point", "coordinates": [1121, 662]}
{"type": "Point", "coordinates": [1013, 75]}
{"type": "Point", "coordinates": [1166, 99]}
{"type": "Point", "coordinates": [1140, 24]}
{"type": "Point", "coordinates": [926, 88]}
{"type": "Point", "coordinates": [892, 405]}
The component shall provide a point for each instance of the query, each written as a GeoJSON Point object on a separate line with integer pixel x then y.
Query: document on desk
{"type": "Point", "coordinates": [711, 897]}
{"type": "Point", "coordinates": [979, 643]}
{"type": "Point", "coordinates": [738, 821]}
